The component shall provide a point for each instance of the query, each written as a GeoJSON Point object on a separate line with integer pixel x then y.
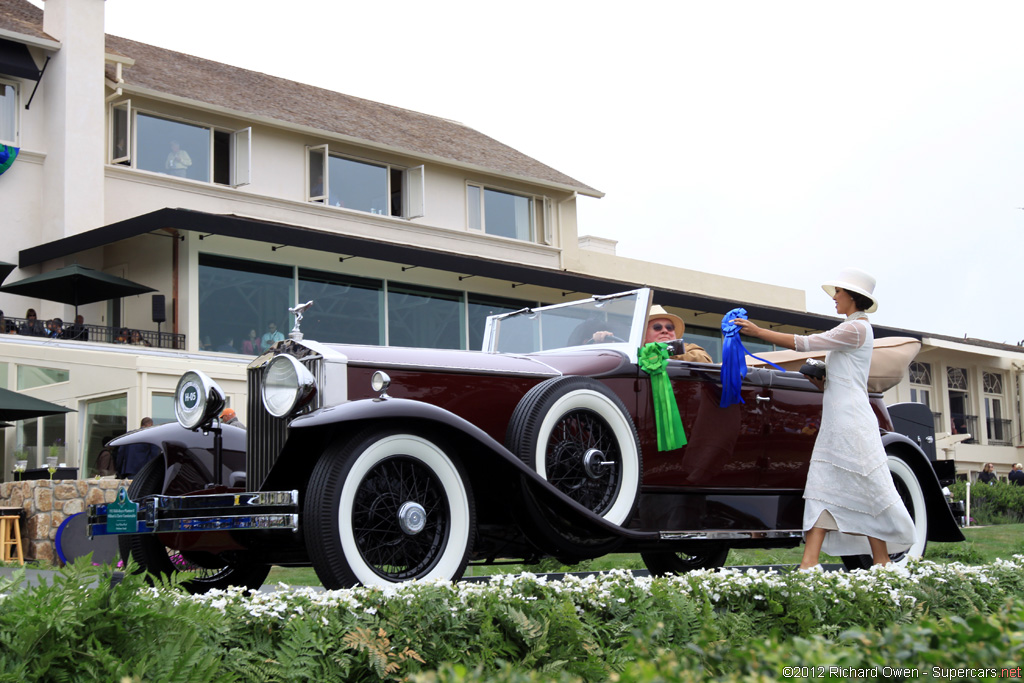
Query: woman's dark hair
{"type": "Point", "coordinates": [862, 302]}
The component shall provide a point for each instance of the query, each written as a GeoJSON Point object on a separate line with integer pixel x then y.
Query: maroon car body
{"type": "Point", "coordinates": [448, 457]}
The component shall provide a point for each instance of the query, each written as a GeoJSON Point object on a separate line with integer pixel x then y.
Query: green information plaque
{"type": "Point", "coordinates": [122, 514]}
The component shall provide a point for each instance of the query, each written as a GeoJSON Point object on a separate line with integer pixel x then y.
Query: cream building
{"type": "Point", "coordinates": [235, 195]}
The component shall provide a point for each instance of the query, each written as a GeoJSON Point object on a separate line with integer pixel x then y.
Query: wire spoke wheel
{"type": "Point", "coordinates": [377, 513]}
{"type": "Point", "coordinates": [583, 460]}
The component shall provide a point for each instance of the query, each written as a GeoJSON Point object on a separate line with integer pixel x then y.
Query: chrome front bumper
{"type": "Point", "coordinates": [214, 512]}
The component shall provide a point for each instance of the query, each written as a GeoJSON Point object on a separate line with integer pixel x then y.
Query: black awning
{"type": "Point", "coordinates": [15, 60]}
{"type": "Point", "coordinates": [279, 235]}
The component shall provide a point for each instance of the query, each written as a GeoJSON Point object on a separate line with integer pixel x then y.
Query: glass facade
{"type": "Point", "coordinates": [347, 309]}
{"type": "Point", "coordinates": [425, 317]}
{"type": "Point", "coordinates": [242, 300]}
{"type": "Point", "coordinates": [163, 409]}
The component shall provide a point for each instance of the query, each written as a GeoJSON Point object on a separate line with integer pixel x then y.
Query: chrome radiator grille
{"type": "Point", "coordinates": [266, 434]}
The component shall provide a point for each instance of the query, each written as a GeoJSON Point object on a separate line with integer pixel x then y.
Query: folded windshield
{"type": "Point", "coordinates": [616, 319]}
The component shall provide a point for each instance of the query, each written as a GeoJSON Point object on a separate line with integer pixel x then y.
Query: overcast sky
{"type": "Point", "coordinates": [771, 141]}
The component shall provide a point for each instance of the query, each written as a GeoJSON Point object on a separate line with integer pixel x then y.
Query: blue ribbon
{"type": "Point", "coordinates": [734, 366]}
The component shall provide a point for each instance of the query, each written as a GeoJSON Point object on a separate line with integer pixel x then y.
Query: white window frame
{"type": "Point", "coordinates": [413, 193]}
{"type": "Point", "coordinates": [17, 112]}
{"type": "Point", "coordinates": [240, 150]}
{"type": "Point", "coordinates": [239, 147]}
{"type": "Point", "coordinates": [324, 150]}
{"type": "Point", "coordinates": [126, 158]}
{"type": "Point", "coordinates": [415, 199]}
{"type": "Point", "coordinates": [539, 210]}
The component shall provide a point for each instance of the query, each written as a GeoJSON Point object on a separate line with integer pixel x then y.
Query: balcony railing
{"type": "Point", "coordinates": [96, 333]}
{"type": "Point", "coordinates": [959, 423]}
{"type": "Point", "coordinates": [999, 432]}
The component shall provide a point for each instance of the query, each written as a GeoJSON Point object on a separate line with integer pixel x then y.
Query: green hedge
{"type": "Point", "coordinates": [702, 626]}
{"type": "Point", "coordinates": [996, 503]}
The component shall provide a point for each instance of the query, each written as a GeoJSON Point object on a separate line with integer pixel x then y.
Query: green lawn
{"type": "Point", "coordinates": [983, 545]}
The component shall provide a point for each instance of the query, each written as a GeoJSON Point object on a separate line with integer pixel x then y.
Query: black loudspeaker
{"type": "Point", "coordinates": [159, 314]}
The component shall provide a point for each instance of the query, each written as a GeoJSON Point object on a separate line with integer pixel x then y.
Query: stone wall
{"type": "Point", "coordinates": [48, 503]}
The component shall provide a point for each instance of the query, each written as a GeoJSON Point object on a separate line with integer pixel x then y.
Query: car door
{"type": "Point", "coordinates": [725, 446]}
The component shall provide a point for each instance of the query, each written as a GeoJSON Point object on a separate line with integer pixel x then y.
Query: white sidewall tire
{"type": "Point", "coordinates": [444, 469]}
{"type": "Point", "coordinates": [899, 469]}
{"type": "Point", "coordinates": [588, 399]}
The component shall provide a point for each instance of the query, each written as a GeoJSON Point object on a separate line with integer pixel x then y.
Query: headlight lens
{"type": "Point", "coordinates": [287, 386]}
{"type": "Point", "coordinates": [197, 400]}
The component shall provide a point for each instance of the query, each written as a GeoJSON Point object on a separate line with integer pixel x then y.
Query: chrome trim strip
{"type": "Point", "coordinates": [462, 369]}
{"type": "Point", "coordinates": [730, 535]}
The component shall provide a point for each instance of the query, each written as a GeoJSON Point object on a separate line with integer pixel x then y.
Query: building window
{"type": "Point", "coordinates": [178, 148]}
{"type": "Point", "coordinates": [31, 376]}
{"type": "Point", "coordinates": [162, 411]}
{"type": "Point", "coordinates": [501, 213]}
{"type": "Point", "coordinates": [104, 419]}
{"type": "Point", "coordinates": [961, 421]}
{"type": "Point", "coordinates": [373, 187]}
{"type": "Point", "coordinates": [8, 113]}
{"type": "Point", "coordinates": [920, 383]}
{"type": "Point", "coordinates": [241, 300]}
{"type": "Point", "coordinates": [996, 427]}
{"type": "Point", "coordinates": [347, 310]}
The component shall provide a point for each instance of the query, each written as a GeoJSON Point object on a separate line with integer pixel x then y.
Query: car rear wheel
{"type": "Point", "coordinates": [205, 571]}
{"type": "Point", "coordinates": [577, 434]}
{"type": "Point", "coordinates": [668, 564]}
{"type": "Point", "coordinates": [912, 495]}
{"type": "Point", "coordinates": [386, 507]}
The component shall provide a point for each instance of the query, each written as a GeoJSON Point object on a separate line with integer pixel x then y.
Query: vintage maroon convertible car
{"type": "Point", "coordinates": [383, 464]}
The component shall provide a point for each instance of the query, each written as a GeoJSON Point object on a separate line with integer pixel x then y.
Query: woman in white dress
{"type": "Point", "coordinates": [851, 506]}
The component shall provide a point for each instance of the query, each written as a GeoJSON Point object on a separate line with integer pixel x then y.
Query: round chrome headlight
{"type": "Point", "coordinates": [197, 400]}
{"type": "Point", "coordinates": [287, 386]}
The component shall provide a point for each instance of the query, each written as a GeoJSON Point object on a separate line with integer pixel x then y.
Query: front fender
{"type": "Point", "coordinates": [407, 411]}
{"type": "Point", "coordinates": [942, 526]}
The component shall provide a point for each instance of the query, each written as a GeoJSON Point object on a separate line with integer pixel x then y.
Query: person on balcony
{"type": "Point", "coordinates": [32, 327]}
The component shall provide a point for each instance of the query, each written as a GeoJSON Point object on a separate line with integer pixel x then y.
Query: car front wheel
{"type": "Point", "coordinates": [912, 495]}
{"type": "Point", "coordinates": [386, 507]}
{"type": "Point", "coordinates": [205, 571]}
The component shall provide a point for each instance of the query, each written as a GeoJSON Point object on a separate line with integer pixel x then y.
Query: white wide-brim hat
{"type": "Point", "coordinates": [659, 312]}
{"type": "Point", "coordinates": [854, 280]}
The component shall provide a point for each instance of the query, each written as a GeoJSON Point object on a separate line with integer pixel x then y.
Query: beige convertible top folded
{"type": "Point", "coordinates": [889, 360]}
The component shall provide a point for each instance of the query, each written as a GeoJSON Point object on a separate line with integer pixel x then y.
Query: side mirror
{"type": "Point", "coordinates": [198, 400]}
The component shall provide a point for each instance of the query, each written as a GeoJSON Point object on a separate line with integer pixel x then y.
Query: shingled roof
{"type": "Point", "coordinates": [19, 16]}
{"type": "Point", "coordinates": [250, 93]}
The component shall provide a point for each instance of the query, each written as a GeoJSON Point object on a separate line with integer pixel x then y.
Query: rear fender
{"type": "Point", "coordinates": [491, 467]}
{"type": "Point", "coordinates": [942, 527]}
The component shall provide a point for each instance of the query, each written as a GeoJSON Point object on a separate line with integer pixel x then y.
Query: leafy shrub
{"type": "Point", "coordinates": [728, 625]}
{"type": "Point", "coordinates": [996, 503]}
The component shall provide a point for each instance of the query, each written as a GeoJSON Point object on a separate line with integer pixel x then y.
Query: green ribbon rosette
{"type": "Point", "coordinates": [653, 360]}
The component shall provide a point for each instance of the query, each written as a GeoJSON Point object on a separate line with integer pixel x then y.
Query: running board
{"type": "Point", "coordinates": [182, 514]}
{"type": "Point", "coordinates": [730, 535]}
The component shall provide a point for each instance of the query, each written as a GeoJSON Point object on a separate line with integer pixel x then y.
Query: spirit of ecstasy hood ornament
{"type": "Point", "coordinates": [297, 311]}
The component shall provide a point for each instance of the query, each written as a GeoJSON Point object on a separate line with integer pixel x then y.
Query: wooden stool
{"type": "Point", "coordinates": [10, 538]}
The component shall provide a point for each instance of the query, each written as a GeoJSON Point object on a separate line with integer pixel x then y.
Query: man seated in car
{"type": "Point", "coordinates": [662, 326]}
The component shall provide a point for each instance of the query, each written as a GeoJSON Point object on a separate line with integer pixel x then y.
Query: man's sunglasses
{"type": "Point", "coordinates": [657, 327]}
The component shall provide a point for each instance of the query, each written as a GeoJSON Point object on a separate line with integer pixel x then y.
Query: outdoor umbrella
{"type": "Point", "coordinates": [76, 285]}
{"type": "Point", "coordinates": [15, 406]}
{"type": "Point", "coordinates": [5, 269]}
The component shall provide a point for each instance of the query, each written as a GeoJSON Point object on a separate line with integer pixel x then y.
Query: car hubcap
{"type": "Point", "coordinates": [594, 463]}
{"type": "Point", "coordinates": [412, 517]}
